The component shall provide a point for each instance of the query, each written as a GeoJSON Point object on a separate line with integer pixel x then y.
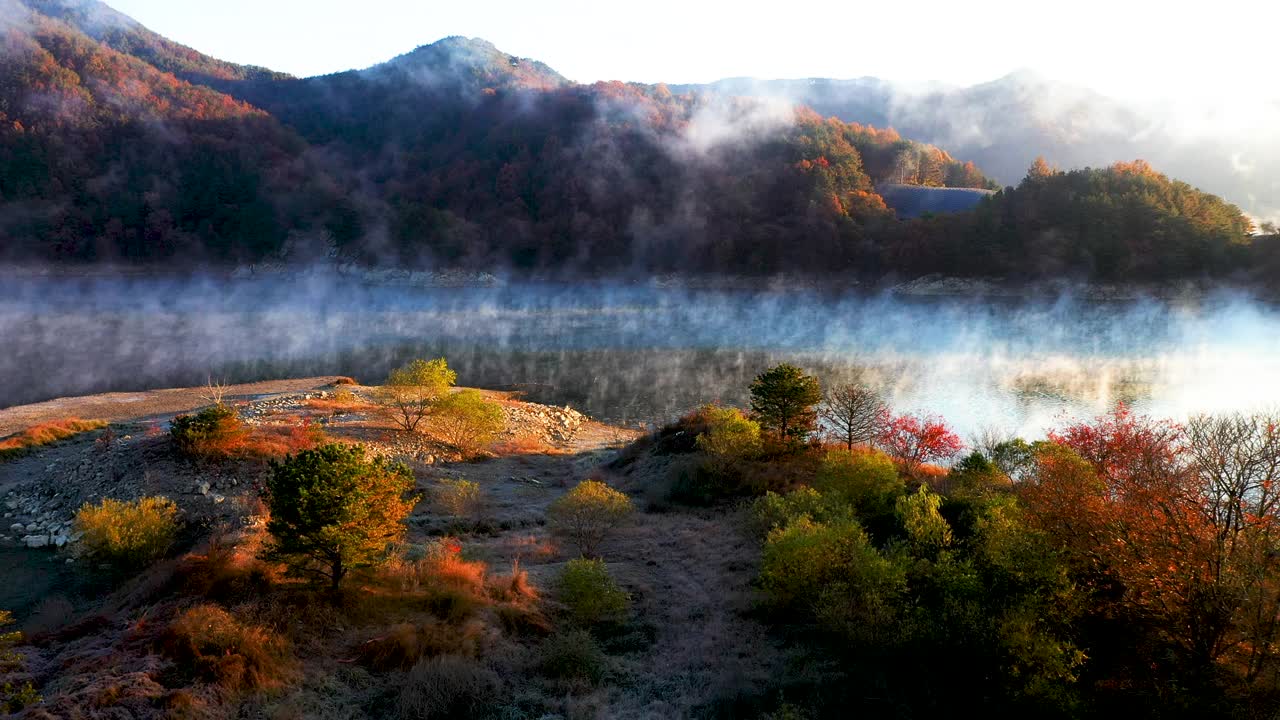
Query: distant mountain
{"type": "Point", "coordinates": [1003, 125]}
{"type": "Point", "coordinates": [118, 144]}
{"type": "Point", "coordinates": [125, 35]}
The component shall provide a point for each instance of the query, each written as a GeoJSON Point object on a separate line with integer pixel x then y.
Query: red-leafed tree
{"type": "Point", "coordinates": [914, 440]}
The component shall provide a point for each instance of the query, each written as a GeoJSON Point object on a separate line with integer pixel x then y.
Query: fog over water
{"type": "Point", "coordinates": [639, 353]}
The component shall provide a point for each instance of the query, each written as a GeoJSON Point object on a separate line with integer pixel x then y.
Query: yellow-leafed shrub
{"type": "Point", "coordinates": [128, 534]}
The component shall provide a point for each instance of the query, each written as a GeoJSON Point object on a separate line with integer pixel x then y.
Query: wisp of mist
{"type": "Point", "coordinates": [639, 353]}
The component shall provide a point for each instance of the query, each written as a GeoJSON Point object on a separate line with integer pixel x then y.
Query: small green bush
{"type": "Point", "coordinates": [573, 655]}
{"type": "Point", "coordinates": [587, 513]}
{"type": "Point", "coordinates": [13, 697]}
{"type": "Point", "coordinates": [730, 437]}
{"type": "Point", "coordinates": [587, 589]}
{"type": "Point", "coordinates": [836, 575]}
{"type": "Point", "coordinates": [215, 431]}
{"type": "Point", "coordinates": [16, 697]}
{"type": "Point", "coordinates": [467, 421]}
{"type": "Point", "coordinates": [775, 511]}
{"type": "Point", "coordinates": [868, 479]}
{"type": "Point", "coordinates": [128, 534]}
{"type": "Point", "coordinates": [459, 498]}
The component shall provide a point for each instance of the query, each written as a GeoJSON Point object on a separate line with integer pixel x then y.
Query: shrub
{"type": "Point", "coordinates": [128, 534]}
{"type": "Point", "coordinates": [13, 697]}
{"type": "Point", "coordinates": [467, 421]}
{"type": "Point", "coordinates": [19, 444]}
{"type": "Point", "coordinates": [573, 655]}
{"type": "Point", "coordinates": [835, 574]}
{"type": "Point", "coordinates": [587, 513]}
{"type": "Point", "coordinates": [411, 391]}
{"type": "Point", "coordinates": [775, 511]}
{"type": "Point", "coordinates": [590, 594]}
{"type": "Point", "coordinates": [332, 510]}
{"type": "Point", "coordinates": [217, 648]}
{"type": "Point", "coordinates": [447, 686]}
{"type": "Point", "coordinates": [868, 479]}
{"type": "Point", "coordinates": [730, 436]}
{"type": "Point", "coordinates": [215, 431]}
{"type": "Point", "coordinates": [459, 498]}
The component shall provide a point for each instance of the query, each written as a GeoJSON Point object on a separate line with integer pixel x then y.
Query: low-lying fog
{"type": "Point", "coordinates": [638, 353]}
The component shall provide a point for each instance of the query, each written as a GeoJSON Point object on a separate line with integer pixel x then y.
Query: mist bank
{"type": "Point", "coordinates": [643, 353]}
{"type": "Point", "coordinates": [933, 285]}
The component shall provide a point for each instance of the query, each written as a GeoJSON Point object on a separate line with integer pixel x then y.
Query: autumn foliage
{"type": "Point", "coordinates": [915, 440]}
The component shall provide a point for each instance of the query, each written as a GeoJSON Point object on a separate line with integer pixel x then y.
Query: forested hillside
{"type": "Point", "coordinates": [120, 145]}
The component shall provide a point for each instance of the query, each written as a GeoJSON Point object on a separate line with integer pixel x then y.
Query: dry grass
{"type": "Point", "coordinates": [46, 433]}
{"type": "Point", "coordinates": [527, 445]}
{"type": "Point", "coordinates": [277, 440]}
{"type": "Point", "coordinates": [448, 686]}
{"type": "Point", "coordinates": [218, 433]}
{"type": "Point", "coordinates": [226, 574]}
{"type": "Point", "coordinates": [404, 645]}
{"type": "Point", "coordinates": [219, 649]}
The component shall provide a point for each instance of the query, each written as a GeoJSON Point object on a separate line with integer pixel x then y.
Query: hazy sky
{"type": "Point", "coordinates": [1139, 49]}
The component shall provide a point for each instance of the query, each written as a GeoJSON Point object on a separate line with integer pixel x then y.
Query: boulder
{"type": "Point", "coordinates": [36, 541]}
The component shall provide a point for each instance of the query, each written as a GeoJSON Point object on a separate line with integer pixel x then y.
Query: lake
{"type": "Point", "coordinates": [639, 353]}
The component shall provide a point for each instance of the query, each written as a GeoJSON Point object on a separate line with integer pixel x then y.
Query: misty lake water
{"type": "Point", "coordinates": [642, 354]}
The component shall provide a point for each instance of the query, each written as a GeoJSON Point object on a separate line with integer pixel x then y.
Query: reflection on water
{"type": "Point", "coordinates": [640, 354]}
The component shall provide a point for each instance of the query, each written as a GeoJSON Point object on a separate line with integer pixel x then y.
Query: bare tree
{"type": "Point", "coordinates": [214, 391]}
{"type": "Point", "coordinates": [1236, 463]}
{"type": "Point", "coordinates": [855, 413]}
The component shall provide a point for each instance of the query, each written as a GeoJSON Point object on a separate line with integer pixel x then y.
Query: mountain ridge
{"type": "Point", "coordinates": [457, 154]}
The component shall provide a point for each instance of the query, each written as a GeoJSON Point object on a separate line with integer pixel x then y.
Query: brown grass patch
{"type": "Point", "coordinates": [219, 649]}
{"type": "Point", "coordinates": [404, 645]}
{"type": "Point", "coordinates": [225, 574]}
{"type": "Point", "coordinates": [46, 433]}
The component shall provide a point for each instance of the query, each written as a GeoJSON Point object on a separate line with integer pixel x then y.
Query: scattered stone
{"type": "Point", "coordinates": [36, 541]}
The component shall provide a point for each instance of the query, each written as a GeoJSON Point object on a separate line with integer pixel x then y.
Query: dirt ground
{"type": "Point", "coordinates": [688, 571]}
{"type": "Point", "coordinates": [137, 406]}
